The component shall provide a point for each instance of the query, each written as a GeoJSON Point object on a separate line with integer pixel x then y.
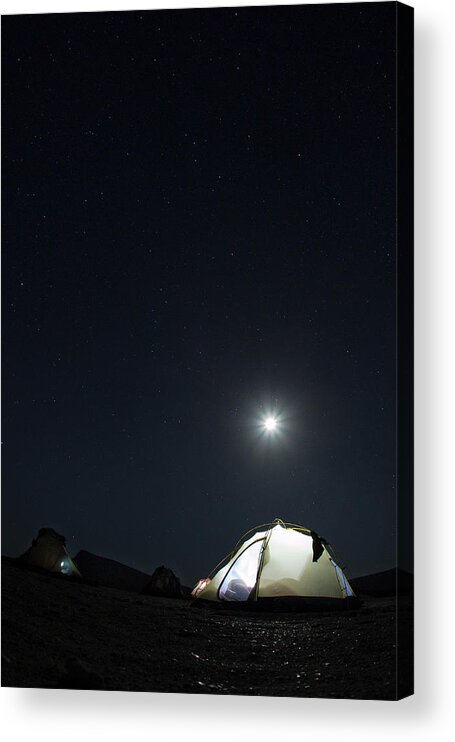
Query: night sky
{"type": "Point", "coordinates": [199, 230]}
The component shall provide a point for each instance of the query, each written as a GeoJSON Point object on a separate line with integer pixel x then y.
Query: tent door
{"type": "Point", "coordinates": [240, 580]}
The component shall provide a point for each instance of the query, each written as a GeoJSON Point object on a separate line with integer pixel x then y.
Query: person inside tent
{"type": "Point", "coordinates": [237, 589]}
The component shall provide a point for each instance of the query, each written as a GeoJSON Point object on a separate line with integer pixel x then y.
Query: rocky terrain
{"type": "Point", "coordinates": [60, 633]}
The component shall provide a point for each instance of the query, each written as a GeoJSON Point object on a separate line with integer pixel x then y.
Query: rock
{"type": "Point", "coordinates": [164, 583]}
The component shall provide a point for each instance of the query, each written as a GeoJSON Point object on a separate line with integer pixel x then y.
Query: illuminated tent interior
{"type": "Point", "coordinates": [48, 551]}
{"type": "Point", "coordinates": [278, 560]}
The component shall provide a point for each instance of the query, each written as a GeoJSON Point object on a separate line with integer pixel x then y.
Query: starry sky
{"type": "Point", "coordinates": [198, 230]}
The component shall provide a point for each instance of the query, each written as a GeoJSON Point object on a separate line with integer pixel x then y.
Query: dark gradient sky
{"type": "Point", "coordinates": [199, 226]}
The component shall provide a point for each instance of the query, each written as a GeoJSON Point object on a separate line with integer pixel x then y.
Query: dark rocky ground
{"type": "Point", "coordinates": [57, 633]}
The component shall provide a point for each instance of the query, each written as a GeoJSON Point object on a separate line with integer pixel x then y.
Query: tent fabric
{"type": "Point", "coordinates": [318, 548]}
{"type": "Point", "coordinates": [48, 551]}
{"type": "Point", "coordinates": [279, 561]}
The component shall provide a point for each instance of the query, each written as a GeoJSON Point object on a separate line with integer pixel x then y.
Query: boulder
{"type": "Point", "coordinates": [163, 583]}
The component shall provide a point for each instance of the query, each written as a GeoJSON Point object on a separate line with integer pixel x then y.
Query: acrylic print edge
{"type": "Point", "coordinates": [405, 341]}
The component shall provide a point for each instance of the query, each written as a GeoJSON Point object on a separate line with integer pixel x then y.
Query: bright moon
{"type": "Point", "coordinates": [270, 424]}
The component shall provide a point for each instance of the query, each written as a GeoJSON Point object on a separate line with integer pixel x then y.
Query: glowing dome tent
{"type": "Point", "coordinates": [278, 560]}
{"type": "Point", "coordinates": [48, 551]}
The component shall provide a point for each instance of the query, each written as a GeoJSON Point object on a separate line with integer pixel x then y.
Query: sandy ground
{"type": "Point", "coordinates": [61, 634]}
